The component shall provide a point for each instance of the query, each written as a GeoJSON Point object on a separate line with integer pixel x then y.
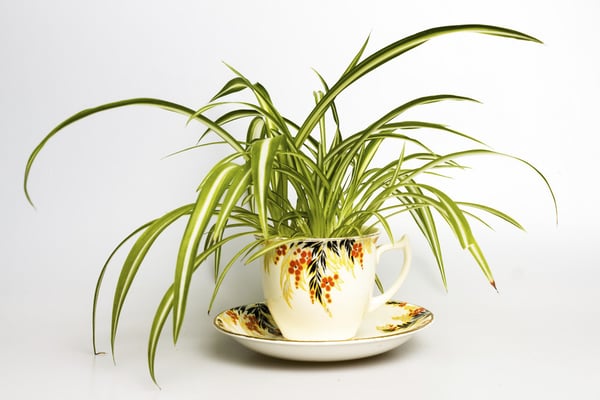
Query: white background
{"type": "Point", "coordinates": [99, 179]}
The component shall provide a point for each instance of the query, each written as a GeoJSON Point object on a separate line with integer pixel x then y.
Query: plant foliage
{"type": "Point", "coordinates": [285, 181]}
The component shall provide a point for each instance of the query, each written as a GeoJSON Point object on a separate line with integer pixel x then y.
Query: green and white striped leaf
{"type": "Point", "coordinates": [167, 105]}
{"type": "Point", "coordinates": [233, 86]}
{"type": "Point", "coordinates": [211, 191]}
{"type": "Point", "coordinates": [134, 260]}
{"type": "Point", "coordinates": [262, 154]}
{"type": "Point", "coordinates": [387, 54]}
{"type": "Point", "coordinates": [101, 278]}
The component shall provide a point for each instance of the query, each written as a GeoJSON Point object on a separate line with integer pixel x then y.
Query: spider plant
{"type": "Point", "coordinates": [283, 181]}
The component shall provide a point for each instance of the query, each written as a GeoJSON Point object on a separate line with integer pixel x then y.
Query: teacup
{"type": "Point", "coordinates": [321, 289]}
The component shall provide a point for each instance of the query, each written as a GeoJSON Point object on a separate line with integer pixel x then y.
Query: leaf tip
{"type": "Point", "coordinates": [493, 283]}
{"type": "Point", "coordinates": [155, 382]}
{"type": "Point", "coordinates": [28, 196]}
{"type": "Point", "coordinates": [175, 336]}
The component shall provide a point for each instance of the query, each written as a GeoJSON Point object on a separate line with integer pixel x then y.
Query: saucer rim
{"type": "Point", "coordinates": [383, 337]}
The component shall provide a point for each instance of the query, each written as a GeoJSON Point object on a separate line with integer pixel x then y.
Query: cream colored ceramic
{"type": "Point", "coordinates": [384, 329]}
{"type": "Point", "coordinates": [320, 289]}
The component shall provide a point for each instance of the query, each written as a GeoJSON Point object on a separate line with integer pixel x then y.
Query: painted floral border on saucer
{"type": "Point", "coordinates": [382, 330]}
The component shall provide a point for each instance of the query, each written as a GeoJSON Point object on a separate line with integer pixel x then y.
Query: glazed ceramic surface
{"type": "Point", "coordinates": [381, 330]}
{"type": "Point", "coordinates": [321, 289]}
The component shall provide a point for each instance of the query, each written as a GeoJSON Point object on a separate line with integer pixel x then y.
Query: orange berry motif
{"type": "Point", "coordinates": [357, 253]}
{"type": "Point", "coordinates": [252, 323]}
{"type": "Point", "coordinates": [327, 283]}
{"type": "Point", "coordinates": [233, 315]}
{"type": "Point", "coordinates": [416, 311]}
{"type": "Point", "coordinates": [280, 252]}
{"type": "Point", "coordinates": [301, 260]}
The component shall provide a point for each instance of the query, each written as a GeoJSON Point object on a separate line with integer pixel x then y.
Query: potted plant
{"type": "Point", "coordinates": [285, 181]}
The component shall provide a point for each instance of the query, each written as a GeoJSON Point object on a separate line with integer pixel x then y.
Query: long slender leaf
{"type": "Point", "coordinates": [452, 156]}
{"type": "Point", "coordinates": [493, 211]}
{"type": "Point", "coordinates": [423, 217]}
{"type": "Point", "coordinates": [134, 260]}
{"type": "Point", "coordinates": [211, 191]}
{"type": "Point", "coordinates": [263, 152]}
{"type": "Point", "coordinates": [478, 255]}
{"type": "Point", "coordinates": [101, 278]}
{"type": "Point", "coordinates": [160, 317]}
{"type": "Point", "coordinates": [223, 274]}
{"type": "Point", "coordinates": [387, 54]}
{"type": "Point", "coordinates": [356, 140]}
{"type": "Point", "coordinates": [430, 125]}
{"type": "Point", "coordinates": [167, 105]}
{"type": "Point", "coordinates": [236, 190]}
{"type": "Point", "coordinates": [166, 305]}
{"type": "Point", "coordinates": [231, 116]}
{"type": "Point", "coordinates": [461, 228]}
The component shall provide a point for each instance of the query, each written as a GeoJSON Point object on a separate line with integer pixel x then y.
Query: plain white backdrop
{"type": "Point", "coordinates": [101, 178]}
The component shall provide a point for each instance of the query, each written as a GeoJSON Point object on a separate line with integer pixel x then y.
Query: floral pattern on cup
{"type": "Point", "coordinates": [313, 267]}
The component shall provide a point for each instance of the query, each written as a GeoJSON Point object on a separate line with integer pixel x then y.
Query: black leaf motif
{"type": "Point", "coordinates": [347, 245]}
{"type": "Point", "coordinates": [316, 270]}
{"type": "Point", "coordinates": [314, 282]}
{"type": "Point", "coordinates": [333, 246]}
{"type": "Point", "coordinates": [261, 312]}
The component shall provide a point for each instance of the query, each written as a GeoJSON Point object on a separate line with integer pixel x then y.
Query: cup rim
{"type": "Point", "coordinates": [375, 234]}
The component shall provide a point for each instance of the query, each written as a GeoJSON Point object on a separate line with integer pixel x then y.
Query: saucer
{"type": "Point", "coordinates": [381, 330]}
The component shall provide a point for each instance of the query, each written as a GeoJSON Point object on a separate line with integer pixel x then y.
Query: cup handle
{"type": "Point", "coordinates": [380, 300]}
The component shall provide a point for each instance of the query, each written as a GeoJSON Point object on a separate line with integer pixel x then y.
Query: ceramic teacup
{"type": "Point", "coordinates": [320, 289]}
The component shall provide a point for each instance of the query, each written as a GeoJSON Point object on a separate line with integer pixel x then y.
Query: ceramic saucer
{"type": "Point", "coordinates": [384, 329]}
